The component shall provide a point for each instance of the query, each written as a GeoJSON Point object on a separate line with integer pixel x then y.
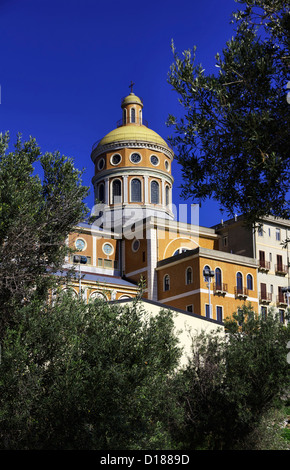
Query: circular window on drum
{"type": "Point", "coordinates": [80, 244]}
{"type": "Point", "coordinates": [154, 160]}
{"type": "Point", "coordinates": [101, 164]}
{"type": "Point", "coordinates": [135, 245]}
{"type": "Point", "coordinates": [135, 157]}
{"type": "Point", "coordinates": [108, 248]}
{"type": "Point", "coordinates": [116, 159]}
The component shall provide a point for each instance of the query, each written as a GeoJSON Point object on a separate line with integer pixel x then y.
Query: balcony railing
{"type": "Point", "coordinates": [241, 291]}
{"type": "Point", "coordinates": [281, 299]}
{"type": "Point", "coordinates": [220, 288]}
{"type": "Point", "coordinates": [281, 269]}
{"type": "Point", "coordinates": [265, 297]}
{"type": "Point", "coordinates": [264, 265]}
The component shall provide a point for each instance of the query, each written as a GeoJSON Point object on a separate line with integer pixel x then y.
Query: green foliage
{"type": "Point", "coordinates": [36, 216]}
{"type": "Point", "coordinates": [232, 142]}
{"type": "Point", "coordinates": [103, 377]}
{"type": "Point", "coordinates": [232, 381]}
{"type": "Point", "coordinates": [286, 434]}
{"type": "Point", "coordinates": [87, 376]}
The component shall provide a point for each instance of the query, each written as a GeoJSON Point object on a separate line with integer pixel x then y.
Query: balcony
{"type": "Point", "coordinates": [281, 300]}
{"type": "Point", "coordinates": [264, 265]}
{"type": "Point", "coordinates": [281, 269]}
{"type": "Point", "coordinates": [241, 292]}
{"type": "Point", "coordinates": [220, 288]}
{"type": "Point", "coordinates": [265, 297]}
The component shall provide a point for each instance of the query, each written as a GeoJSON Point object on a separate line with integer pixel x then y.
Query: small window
{"type": "Point", "coordinates": [154, 160]}
{"type": "Point", "coordinates": [167, 194]}
{"type": "Point", "coordinates": [264, 313]}
{"type": "Point", "coordinates": [249, 282]}
{"type": "Point", "coordinates": [260, 231]}
{"type": "Point", "coordinates": [136, 190]}
{"type": "Point", "coordinates": [116, 159]}
{"type": "Point", "coordinates": [240, 283]}
{"type": "Point", "coordinates": [108, 249]}
{"type": "Point", "coordinates": [219, 313]}
{"type": "Point", "coordinates": [189, 276]}
{"type": "Point", "coordinates": [80, 244]}
{"type": "Point", "coordinates": [207, 311]}
{"type": "Point", "coordinates": [218, 279]}
{"type": "Point", "coordinates": [189, 308]}
{"type": "Point", "coordinates": [135, 157]}
{"type": "Point", "coordinates": [101, 164]}
{"type": "Point", "coordinates": [117, 191]}
{"type": "Point", "coordinates": [278, 234]}
{"type": "Point", "coordinates": [154, 192]}
{"type": "Point", "coordinates": [124, 116]}
{"type": "Point", "coordinates": [135, 245]}
{"type": "Point", "coordinates": [133, 115]}
{"type": "Point", "coordinates": [281, 315]}
{"type": "Point", "coordinates": [166, 282]}
{"type": "Point", "coordinates": [101, 192]}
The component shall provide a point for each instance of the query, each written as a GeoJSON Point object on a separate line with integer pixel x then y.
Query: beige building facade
{"type": "Point", "coordinates": [266, 244]}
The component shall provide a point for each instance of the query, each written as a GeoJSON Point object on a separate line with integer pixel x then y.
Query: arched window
{"type": "Point", "coordinates": [97, 295]}
{"type": "Point", "coordinates": [133, 115]}
{"type": "Point", "coordinates": [218, 279]}
{"type": "Point", "coordinates": [117, 191]}
{"type": "Point", "coordinates": [189, 275]}
{"type": "Point", "coordinates": [140, 117]}
{"type": "Point", "coordinates": [179, 250]}
{"type": "Point", "coordinates": [167, 193]}
{"type": "Point", "coordinates": [205, 271]}
{"type": "Point", "coordinates": [101, 192]}
{"type": "Point", "coordinates": [166, 282]}
{"type": "Point", "coordinates": [154, 192]}
{"type": "Point", "coordinates": [239, 283]}
{"type": "Point", "coordinates": [249, 282]}
{"type": "Point", "coordinates": [124, 116]}
{"type": "Point", "coordinates": [136, 190]}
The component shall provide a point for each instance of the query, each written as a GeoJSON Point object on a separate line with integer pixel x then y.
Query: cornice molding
{"type": "Point", "coordinates": [132, 171]}
{"type": "Point", "coordinates": [132, 144]}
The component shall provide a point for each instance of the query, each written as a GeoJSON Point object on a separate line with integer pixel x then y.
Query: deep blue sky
{"type": "Point", "coordinates": [66, 64]}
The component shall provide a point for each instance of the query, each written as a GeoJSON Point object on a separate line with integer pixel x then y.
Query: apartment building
{"type": "Point", "coordinates": [267, 243]}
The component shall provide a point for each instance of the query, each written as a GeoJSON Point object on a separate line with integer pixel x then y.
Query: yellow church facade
{"type": "Point", "coordinates": [135, 238]}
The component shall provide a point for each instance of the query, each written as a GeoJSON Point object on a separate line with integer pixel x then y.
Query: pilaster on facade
{"type": "Point", "coordinates": [151, 235]}
{"type": "Point", "coordinates": [125, 186]}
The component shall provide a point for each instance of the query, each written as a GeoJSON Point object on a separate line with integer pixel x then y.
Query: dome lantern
{"type": "Point", "coordinates": [132, 107]}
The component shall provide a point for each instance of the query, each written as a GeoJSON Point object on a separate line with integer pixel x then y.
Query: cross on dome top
{"type": "Point", "coordinates": [131, 86]}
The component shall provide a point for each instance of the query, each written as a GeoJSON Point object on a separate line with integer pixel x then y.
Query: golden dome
{"type": "Point", "coordinates": [131, 129]}
{"type": "Point", "coordinates": [132, 133]}
{"type": "Point", "coordinates": [131, 99]}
